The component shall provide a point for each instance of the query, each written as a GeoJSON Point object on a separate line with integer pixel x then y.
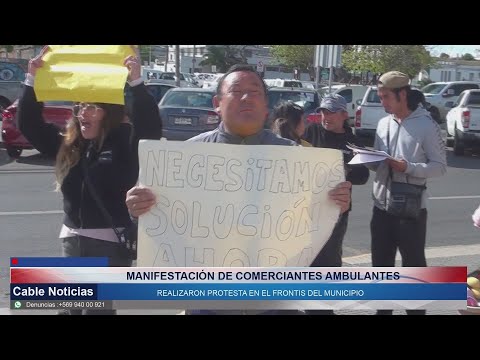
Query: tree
{"type": "Point", "coordinates": [224, 56]}
{"type": "Point", "coordinates": [145, 51]}
{"type": "Point", "coordinates": [8, 48]}
{"type": "Point", "coordinates": [295, 56]}
{"type": "Point", "coordinates": [468, 57]}
{"type": "Point", "coordinates": [377, 59]}
{"type": "Point", "coordinates": [444, 56]}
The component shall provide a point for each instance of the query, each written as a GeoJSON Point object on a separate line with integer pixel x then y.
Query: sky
{"type": "Point", "coordinates": [453, 50]}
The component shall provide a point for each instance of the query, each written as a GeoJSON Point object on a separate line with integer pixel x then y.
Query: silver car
{"type": "Point", "coordinates": [187, 112]}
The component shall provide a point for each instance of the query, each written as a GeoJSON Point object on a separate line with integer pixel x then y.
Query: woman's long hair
{"type": "Point", "coordinates": [284, 128]}
{"type": "Point", "coordinates": [73, 143]}
{"type": "Point", "coordinates": [288, 116]}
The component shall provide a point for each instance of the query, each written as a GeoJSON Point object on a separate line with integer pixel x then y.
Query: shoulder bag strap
{"type": "Point", "coordinates": [97, 199]}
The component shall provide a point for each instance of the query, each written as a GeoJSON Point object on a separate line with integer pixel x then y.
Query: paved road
{"type": "Point", "coordinates": [30, 216]}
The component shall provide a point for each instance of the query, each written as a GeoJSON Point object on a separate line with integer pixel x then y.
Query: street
{"type": "Point", "coordinates": [31, 215]}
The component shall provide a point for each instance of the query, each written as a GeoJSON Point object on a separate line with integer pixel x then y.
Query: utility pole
{"type": "Point", "coordinates": [193, 60]}
{"type": "Point", "coordinates": [330, 76]}
{"type": "Point", "coordinates": [150, 56]}
{"type": "Point", "coordinates": [177, 65]}
{"type": "Point", "coordinates": [166, 59]}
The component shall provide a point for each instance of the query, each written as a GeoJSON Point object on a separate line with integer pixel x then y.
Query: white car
{"type": "Point", "coordinates": [368, 114]}
{"type": "Point", "coordinates": [212, 82]}
{"type": "Point", "coordinates": [463, 121]}
{"type": "Point", "coordinates": [439, 93]}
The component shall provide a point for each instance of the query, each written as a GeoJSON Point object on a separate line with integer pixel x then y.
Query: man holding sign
{"type": "Point", "coordinates": [241, 101]}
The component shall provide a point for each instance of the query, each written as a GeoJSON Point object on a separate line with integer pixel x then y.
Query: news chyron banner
{"type": "Point", "coordinates": [88, 283]}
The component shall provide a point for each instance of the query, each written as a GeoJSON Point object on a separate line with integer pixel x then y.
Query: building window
{"type": "Point", "coordinates": [458, 76]}
{"type": "Point", "coordinates": [470, 76]}
{"type": "Point", "coordinates": [449, 76]}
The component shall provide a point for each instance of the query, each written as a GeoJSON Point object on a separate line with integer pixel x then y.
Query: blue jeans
{"type": "Point", "coordinates": [81, 246]}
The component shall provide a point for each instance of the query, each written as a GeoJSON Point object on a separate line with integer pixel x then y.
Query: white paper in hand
{"type": "Point", "coordinates": [364, 155]}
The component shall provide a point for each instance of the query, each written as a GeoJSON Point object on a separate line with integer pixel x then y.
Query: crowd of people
{"type": "Point", "coordinates": [100, 148]}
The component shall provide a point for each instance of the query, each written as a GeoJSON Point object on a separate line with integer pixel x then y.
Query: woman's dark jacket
{"type": "Point", "coordinates": [112, 170]}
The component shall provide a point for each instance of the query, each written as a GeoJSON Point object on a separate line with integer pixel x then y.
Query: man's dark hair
{"type": "Point", "coordinates": [236, 68]}
{"type": "Point", "coordinates": [397, 91]}
{"type": "Point", "coordinates": [414, 98]}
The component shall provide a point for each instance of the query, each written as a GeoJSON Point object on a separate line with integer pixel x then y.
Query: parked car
{"type": "Point", "coordinates": [463, 121]}
{"type": "Point", "coordinates": [283, 83]}
{"type": "Point", "coordinates": [186, 80]}
{"type": "Point", "coordinates": [370, 111]}
{"type": "Point", "coordinates": [212, 81]}
{"type": "Point", "coordinates": [187, 112]}
{"type": "Point", "coordinates": [55, 112]}
{"type": "Point", "coordinates": [368, 114]}
{"type": "Point", "coordinates": [307, 98]}
{"type": "Point", "coordinates": [438, 93]}
{"type": "Point", "coordinates": [157, 89]}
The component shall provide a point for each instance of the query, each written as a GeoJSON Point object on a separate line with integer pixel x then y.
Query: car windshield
{"type": "Point", "coordinates": [474, 99]}
{"type": "Point", "coordinates": [373, 97]}
{"type": "Point", "coordinates": [308, 100]}
{"type": "Point", "coordinates": [188, 99]}
{"type": "Point", "coordinates": [432, 88]}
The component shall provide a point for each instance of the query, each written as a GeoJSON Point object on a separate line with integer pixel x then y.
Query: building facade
{"type": "Point", "coordinates": [456, 70]}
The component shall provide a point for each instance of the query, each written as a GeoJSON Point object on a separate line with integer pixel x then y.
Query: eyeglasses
{"type": "Point", "coordinates": [86, 108]}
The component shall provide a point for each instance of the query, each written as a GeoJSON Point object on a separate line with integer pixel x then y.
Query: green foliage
{"type": "Point", "coordinates": [144, 52]}
{"type": "Point", "coordinates": [409, 59]}
{"type": "Point", "coordinates": [468, 57]}
{"type": "Point", "coordinates": [8, 48]}
{"type": "Point", "coordinates": [224, 56]}
{"type": "Point", "coordinates": [299, 56]}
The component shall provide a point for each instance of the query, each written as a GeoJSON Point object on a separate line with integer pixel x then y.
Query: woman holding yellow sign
{"type": "Point", "coordinates": [96, 155]}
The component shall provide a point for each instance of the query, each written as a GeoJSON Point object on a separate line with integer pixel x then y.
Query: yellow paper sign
{"type": "Point", "coordinates": [85, 73]}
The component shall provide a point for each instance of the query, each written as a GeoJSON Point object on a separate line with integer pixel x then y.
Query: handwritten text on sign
{"type": "Point", "coordinates": [236, 205]}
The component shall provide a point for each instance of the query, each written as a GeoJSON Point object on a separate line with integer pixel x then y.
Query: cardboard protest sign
{"type": "Point", "coordinates": [84, 73]}
{"type": "Point", "coordinates": [234, 205]}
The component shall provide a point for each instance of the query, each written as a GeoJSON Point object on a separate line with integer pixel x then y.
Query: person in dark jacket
{"type": "Point", "coordinates": [98, 140]}
{"type": "Point", "coordinates": [333, 132]}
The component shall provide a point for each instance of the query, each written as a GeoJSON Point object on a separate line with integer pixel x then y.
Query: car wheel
{"type": "Point", "coordinates": [458, 147]}
{"type": "Point", "coordinates": [14, 152]}
{"type": "Point", "coordinates": [449, 139]}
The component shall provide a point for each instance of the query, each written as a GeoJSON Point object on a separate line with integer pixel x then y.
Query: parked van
{"type": "Point", "coordinates": [438, 93]}
{"type": "Point", "coordinates": [352, 94]}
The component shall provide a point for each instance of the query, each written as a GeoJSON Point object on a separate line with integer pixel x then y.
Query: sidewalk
{"type": "Point", "coordinates": [6, 311]}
